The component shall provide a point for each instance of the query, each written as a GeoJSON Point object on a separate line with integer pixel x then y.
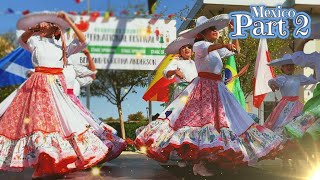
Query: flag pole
{"type": "Point", "coordinates": [88, 92]}
{"type": "Point", "coordinates": [149, 102]}
{"type": "Point", "coordinates": [88, 6]}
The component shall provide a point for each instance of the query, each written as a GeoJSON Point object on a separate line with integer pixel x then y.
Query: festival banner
{"type": "Point", "coordinates": [124, 43]}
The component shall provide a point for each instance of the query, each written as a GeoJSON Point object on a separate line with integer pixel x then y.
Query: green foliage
{"type": "Point", "coordinates": [137, 117]}
{"type": "Point", "coordinates": [277, 48]}
{"type": "Point", "coordinates": [5, 48]}
{"type": "Point", "coordinates": [116, 85]}
{"type": "Point", "coordinates": [6, 91]}
{"type": "Point", "coordinates": [130, 127]}
{"type": "Point", "coordinates": [11, 38]}
{"type": "Point", "coordinates": [110, 119]}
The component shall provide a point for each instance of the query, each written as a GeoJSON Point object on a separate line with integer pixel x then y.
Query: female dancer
{"type": "Point", "coordinates": [289, 84]}
{"type": "Point", "coordinates": [208, 125]}
{"type": "Point", "coordinates": [309, 121]}
{"type": "Point", "coordinates": [43, 128]}
{"type": "Point", "coordinates": [183, 68]}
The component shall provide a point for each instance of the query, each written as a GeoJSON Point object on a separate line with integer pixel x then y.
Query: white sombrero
{"type": "Point", "coordinates": [45, 16]}
{"type": "Point", "coordinates": [174, 46]}
{"type": "Point", "coordinates": [220, 21]}
{"type": "Point", "coordinates": [286, 59]}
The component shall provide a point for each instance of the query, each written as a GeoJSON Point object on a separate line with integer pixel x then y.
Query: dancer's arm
{"type": "Point", "coordinates": [78, 33]}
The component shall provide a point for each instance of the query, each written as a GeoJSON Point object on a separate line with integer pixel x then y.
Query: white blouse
{"type": "Point", "coordinates": [308, 60]}
{"type": "Point", "coordinates": [77, 76]}
{"type": "Point", "coordinates": [209, 62]}
{"type": "Point", "coordinates": [289, 84]}
{"type": "Point", "coordinates": [47, 52]}
{"type": "Point", "coordinates": [187, 67]}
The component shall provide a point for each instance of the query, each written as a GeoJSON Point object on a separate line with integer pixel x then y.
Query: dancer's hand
{"type": "Point", "coordinates": [63, 15]}
{"type": "Point", "coordinates": [176, 56]}
{"type": "Point", "coordinates": [179, 74]}
{"type": "Point", "coordinates": [274, 87]}
{"type": "Point", "coordinates": [230, 47]}
{"type": "Point", "coordinates": [85, 51]}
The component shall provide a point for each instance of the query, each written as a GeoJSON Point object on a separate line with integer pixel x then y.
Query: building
{"type": "Point", "coordinates": [211, 8]}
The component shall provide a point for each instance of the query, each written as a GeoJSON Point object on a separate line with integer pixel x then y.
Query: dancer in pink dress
{"type": "Point", "coordinates": [43, 128]}
{"type": "Point", "coordinates": [208, 125]}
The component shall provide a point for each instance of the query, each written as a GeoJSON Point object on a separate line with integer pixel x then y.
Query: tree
{"type": "Point", "coordinates": [11, 37]}
{"type": "Point", "coordinates": [5, 48]}
{"type": "Point", "coordinates": [109, 119]}
{"type": "Point", "coordinates": [136, 117]}
{"type": "Point", "coordinates": [116, 85]}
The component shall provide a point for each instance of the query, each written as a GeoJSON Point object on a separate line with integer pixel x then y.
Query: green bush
{"type": "Point", "coordinates": [130, 127]}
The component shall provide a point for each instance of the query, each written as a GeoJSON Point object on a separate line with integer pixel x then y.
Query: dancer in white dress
{"type": "Point", "coordinates": [183, 68]}
{"type": "Point", "coordinates": [42, 127]}
{"type": "Point", "coordinates": [309, 121]}
{"type": "Point", "coordinates": [289, 85]}
{"type": "Point", "coordinates": [208, 125]}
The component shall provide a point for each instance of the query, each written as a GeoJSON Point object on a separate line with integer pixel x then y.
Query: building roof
{"type": "Point", "coordinates": [211, 8]}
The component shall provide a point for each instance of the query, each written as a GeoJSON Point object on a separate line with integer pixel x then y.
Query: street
{"type": "Point", "coordinates": [131, 165]}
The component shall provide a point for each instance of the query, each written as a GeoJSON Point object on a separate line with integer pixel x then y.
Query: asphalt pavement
{"type": "Point", "coordinates": [132, 165]}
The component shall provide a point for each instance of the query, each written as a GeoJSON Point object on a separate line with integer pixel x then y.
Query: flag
{"type": "Point", "coordinates": [9, 11]}
{"type": "Point", "coordinates": [94, 15]}
{"type": "Point", "coordinates": [72, 13]}
{"type": "Point", "coordinates": [158, 89]}
{"type": "Point", "coordinates": [152, 6]}
{"type": "Point", "coordinates": [234, 85]}
{"type": "Point", "coordinates": [14, 67]}
{"type": "Point", "coordinates": [106, 16]}
{"type": "Point", "coordinates": [262, 74]}
{"type": "Point", "coordinates": [25, 12]}
{"type": "Point", "coordinates": [78, 1]}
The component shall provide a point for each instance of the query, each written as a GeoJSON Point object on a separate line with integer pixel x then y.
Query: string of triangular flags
{"type": "Point", "coordinates": [107, 14]}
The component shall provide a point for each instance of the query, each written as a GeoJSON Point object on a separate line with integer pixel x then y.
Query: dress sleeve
{"type": "Point", "coordinates": [82, 71]}
{"type": "Point", "coordinates": [304, 80]}
{"type": "Point", "coordinates": [30, 45]}
{"type": "Point", "coordinates": [308, 60]}
{"type": "Point", "coordinates": [172, 66]}
{"type": "Point", "coordinates": [201, 49]}
{"type": "Point", "coordinates": [84, 81]}
{"type": "Point", "coordinates": [75, 46]}
{"type": "Point", "coordinates": [278, 81]}
{"type": "Point", "coordinates": [224, 52]}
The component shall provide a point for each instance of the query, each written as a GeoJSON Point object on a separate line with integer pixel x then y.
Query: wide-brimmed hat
{"type": "Point", "coordinates": [220, 21]}
{"type": "Point", "coordinates": [174, 46]}
{"type": "Point", "coordinates": [45, 16]}
{"type": "Point", "coordinates": [286, 59]}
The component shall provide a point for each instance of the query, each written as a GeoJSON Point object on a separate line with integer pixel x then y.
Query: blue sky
{"type": "Point", "coordinates": [100, 106]}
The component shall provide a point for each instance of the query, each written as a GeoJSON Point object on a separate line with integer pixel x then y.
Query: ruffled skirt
{"type": "Point", "coordinates": [43, 128]}
{"type": "Point", "coordinates": [283, 113]}
{"type": "Point", "coordinates": [205, 122]}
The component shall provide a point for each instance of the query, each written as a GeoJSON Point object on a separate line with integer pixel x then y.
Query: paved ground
{"type": "Point", "coordinates": [137, 166]}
